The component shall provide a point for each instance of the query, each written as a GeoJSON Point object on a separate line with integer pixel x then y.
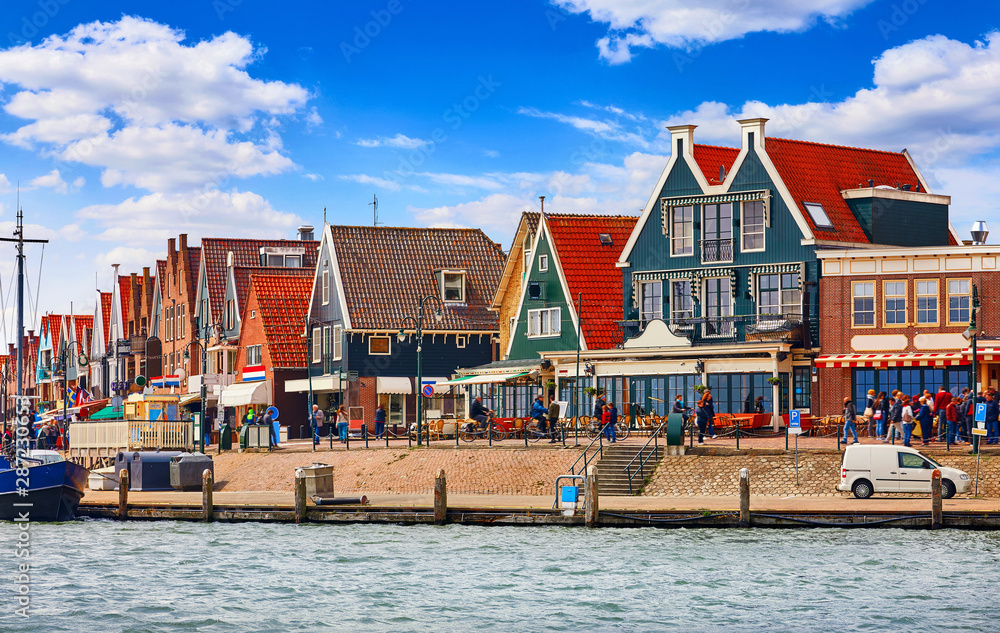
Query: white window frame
{"type": "Point", "coordinates": [444, 283]}
{"type": "Point", "coordinates": [388, 351]}
{"type": "Point", "coordinates": [460, 341]}
{"type": "Point", "coordinates": [542, 320]}
{"type": "Point", "coordinates": [785, 308]}
{"type": "Point", "coordinates": [317, 344]}
{"type": "Point", "coordinates": [885, 307]}
{"type": "Point", "coordinates": [950, 294]}
{"type": "Point", "coordinates": [526, 247]}
{"type": "Point", "coordinates": [917, 296]}
{"type": "Point", "coordinates": [325, 286]}
{"type": "Point", "coordinates": [255, 355]}
{"type": "Point", "coordinates": [874, 310]}
{"type": "Point", "coordinates": [655, 314]}
{"type": "Point", "coordinates": [743, 227]}
{"type": "Point", "coordinates": [674, 238]}
{"type": "Point", "coordinates": [543, 263]}
{"type": "Point", "coordinates": [675, 312]}
{"type": "Point", "coordinates": [726, 327]}
{"type": "Point", "coordinates": [338, 342]}
{"type": "Point", "coordinates": [180, 320]}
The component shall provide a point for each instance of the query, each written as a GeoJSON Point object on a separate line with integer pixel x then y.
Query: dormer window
{"type": "Point", "coordinates": [818, 215]}
{"type": "Point", "coordinates": [452, 286]}
{"type": "Point", "coordinates": [281, 257]}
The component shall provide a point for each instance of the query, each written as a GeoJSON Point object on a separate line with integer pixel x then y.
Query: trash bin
{"type": "Point", "coordinates": [319, 479]}
{"type": "Point", "coordinates": [151, 470]}
{"type": "Point", "coordinates": [675, 428]}
{"type": "Point", "coordinates": [226, 438]}
{"type": "Point", "coordinates": [186, 470]}
{"type": "Point", "coordinates": [244, 435]}
{"type": "Point", "coordinates": [123, 461]}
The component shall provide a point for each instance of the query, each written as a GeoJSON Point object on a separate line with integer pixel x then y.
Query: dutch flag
{"type": "Point", "coordinates": [253, 373]}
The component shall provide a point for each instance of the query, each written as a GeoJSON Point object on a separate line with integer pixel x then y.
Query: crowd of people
{"type": "Point", "coordinates": [896, 416]}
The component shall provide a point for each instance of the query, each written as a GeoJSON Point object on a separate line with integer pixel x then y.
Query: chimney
{"type": "Point", "coordinates": [171, 247]}
{"type": "Point", "coordinates": [753, 132]}
{"type": "Point", "coordinates": [682, 140]}
{"type": "Point", "coordinates": [306, 233]}
{"type": "Point", "coordinates": [184, 242]}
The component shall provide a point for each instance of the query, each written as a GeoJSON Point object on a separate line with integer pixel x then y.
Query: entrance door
{"type": "Point", "coordinates": [718, 303]}
{"type": "Point", "coordinates": [395, 407]}
{"type": "Point", "coordinates": [914, 473]}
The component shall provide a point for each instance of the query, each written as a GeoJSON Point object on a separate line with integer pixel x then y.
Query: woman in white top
{"type": "Point", "coordinates": [908, 421]}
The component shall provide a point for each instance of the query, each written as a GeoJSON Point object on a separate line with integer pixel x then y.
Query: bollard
{"type": "Point", "coordinates": [936, 510]}
{"type": "Point", "coordinates": [737, 435]}
{"type": "Point", "coordinates": [744, 498]}
{"type": "Point", "coordinates": [300, 497]}
{"type": "Point", "coordinates": [837, 426]}
{"type": "Point", "coordinates": [786, 438]}
{"type": "Point", "coordinates": [440, 499]}
{"type": "Point", "coordinates": [590, 502]}
{"type": "Point", "coordinates": [207, 505]}
{"type": "Point", "coordinates": [123, 494]}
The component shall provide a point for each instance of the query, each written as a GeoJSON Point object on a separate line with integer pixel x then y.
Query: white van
{"type": "Point", "coordinates": [868, 469]}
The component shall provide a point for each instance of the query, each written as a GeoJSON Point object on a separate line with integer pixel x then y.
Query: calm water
{"type": "Point", "coordinates": [166, 576]}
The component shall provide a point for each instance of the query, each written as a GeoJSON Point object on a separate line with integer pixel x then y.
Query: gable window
{"type": "Point", "coordinates": [543, 263]}
{"type": "Point", "coordinates": [682, 230]}
{"type": "Point", "coordinates": [526, 247]}
{"type": "Point", "coordinates": [681, 305]}
{"type": "Point", "coordinates": [453, 287]}
{"type": "Point", "coordinates": [254, 355]}
{"type": "Point", "coordinates": [959, 301]}
{"type": "Point", "coordinates": [927, 302]}
{"type": "Point", "coordinates": [894, 299]}
{"type": "Point", "coordinates": [779, 294]}
{"type": "Point", "coordinates": [863, 304]}
{"type": "Point", "coordinates": [326, 287]}
{"type": "Point", "coordinates": [651, 300]}
{"type": "Point", "coordinates": [379, 345]}
{"type": "Point", "coordinates": [317, 344]}
{"type": "Point", "coordinates": [717, 233]}
{"type": "Point", "coordinates": [327, 349]}
{"type": "Point", "coordinates": [180, 321]}
{"type": "Point", "coordinates": [338, 342]}
{"type": "Point", "coordinates": [170, 324]}
{"type": "Point", "coordinates": [753, 225]}
{"type": "Point", "coordinates": [230, 314]}
{"type": "Point", "coordinates": [818, 215]}
{"type": "Point", "coordinates": [544, 322]}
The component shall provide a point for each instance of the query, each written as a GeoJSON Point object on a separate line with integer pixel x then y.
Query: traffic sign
{"type": "Point", "coordinates": [428, 391]}
{"type": "Point", "coordinates": [981, 412]}
{"type": "Point", "coordinates": [795, 421]}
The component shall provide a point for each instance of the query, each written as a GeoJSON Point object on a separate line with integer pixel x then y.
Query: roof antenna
{"type": "Point", "coordinates": [324, 215]}
{"type": "Point", "coordinates": [542, 198]}
{"type": "Point", "coordinates": [374, 205]}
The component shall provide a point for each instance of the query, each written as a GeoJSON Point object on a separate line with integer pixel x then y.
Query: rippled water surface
{"type": "Point", "coordinates": [166, 576]}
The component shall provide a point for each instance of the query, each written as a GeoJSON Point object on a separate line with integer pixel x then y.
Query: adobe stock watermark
{"type": "Point", "coordinates": [363, 35]}
{"type": "Point", "coordinates": [713, 28]}
{"type": "Point", "coordinates": [30, 24]}
{"type": "Point", "coordinates": [898, 17]}
{"type": "Point", "coordinates": [22, 510]}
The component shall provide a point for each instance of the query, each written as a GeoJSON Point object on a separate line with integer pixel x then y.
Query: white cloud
{"type": "Point", "coordinates": [608, 130]}
{"type": "Point", "coordinates": [5, 186]}
{"type": "Point", "coordinates": [384, 183]}
{"type": "Point", "coordinates": [499, 212]}
{"type": "Point", "coordinates": [458, 180]}
{"type": "Point", "coordinates": [491, 153]}
{"type": "Point", "coordinates": [130, 258]}
{"type": "Point", "coordinates": [682, 24]}
{"type": "Point", "coordinates": [51, 180]}
{"type": "Point", "coordinates": [313, 118]}
{"type": "Point", "coordinates": [312, 177]}
{"type": "Point", "coordinates": [400, 141]}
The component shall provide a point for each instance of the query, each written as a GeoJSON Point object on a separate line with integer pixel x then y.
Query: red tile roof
{"type": "Point", "coordinates": [81, 324]}
{"type": "Point", "coordinates": [125, 293]}
{"type": "Point", "coordinates": [246, 252]}
{"type": "Point", "coordinates": [711, 157]}
{"type": "Point", "coordinates": [243, 274]}
{"type": "Point", "coordinates": [815, 172]}
{"type": "Point", "coordinates": [283, 302]}
{"type": "Point", "coordinates": [161, 277]}
{"type": "Point", "coordinates": [387, 270]}
{"type": "Point", "coordinates": [52, 323]}
{"type": "Point", "coordinates": [106, 317]}
{"type": "Point", "coordinates": [589, 268]}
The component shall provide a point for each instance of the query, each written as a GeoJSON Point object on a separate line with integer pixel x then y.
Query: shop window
{"type": "Point", "coordinates": [959, 301]}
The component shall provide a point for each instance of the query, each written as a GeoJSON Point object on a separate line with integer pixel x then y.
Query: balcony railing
{"type": "Point", "coordinates": [753, 328]}
{"type": "Point", "coordinates": [716, 251]}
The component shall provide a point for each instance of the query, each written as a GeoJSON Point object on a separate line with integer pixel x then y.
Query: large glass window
{"type": "Point", "coordinates": [863, 303]}
{"type": "Point", "coordinates": [681, 305]}
{"type": "Point", "coordinates": [927, 301]}
{"type": "Point", "coordinates": [779, 294]}
{"type": "Point", "coordinates": [909, 380]}
{"type": "Point", "coordinates": [652, 300]}
{"type": "Point", "coordinates": [959, 301]}
{"type": "Point", "coordinates": [738, 393]}
{"type": "Point", "coordinates": [682, 230]}
{"type": "Point", "coordinates": [717, 233]}
{"type": "Point", "coordinates": [544, 322]}
{"type": "Point", "coordinates": [801, 388]}
{"type": "Point", "coordinates": [894, 298]}
{"type": "Point", "coordinates": [753, 225]}
{"type": "Point", "coordinates": [718, 304]}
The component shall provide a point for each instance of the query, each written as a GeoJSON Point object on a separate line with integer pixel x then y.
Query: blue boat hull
{"type": "Point", "coordinates": [54, 492]}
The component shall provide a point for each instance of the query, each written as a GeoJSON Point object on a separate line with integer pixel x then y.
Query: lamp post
{"type": "Point", "coordinates": [204, 387]}
{"type": "Point", "coordinates": [971, 334]}
{"type": "Point", "coordinates": [64, 361]}
{"type": "Point", "coordinates": [419, 326]}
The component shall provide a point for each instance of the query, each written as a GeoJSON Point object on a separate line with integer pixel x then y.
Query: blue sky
{"type": "Point", "coordinates": [127, 123]}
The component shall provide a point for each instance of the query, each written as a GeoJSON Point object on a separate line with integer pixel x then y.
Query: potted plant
{"type": "Point", "coordinates": [550, 383]}
{"type": "Point", "coordinates": [700, 389]}
{"type": "Point", "coordinates": [590, 391]}
{"type": "Point", "coordinates": [774, 380]}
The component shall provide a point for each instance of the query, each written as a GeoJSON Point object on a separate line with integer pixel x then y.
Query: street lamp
{"type": "Point", "coordinates": [970, 334]}
{"type": "Point", "coordinates": [419, 326]}
{"type": "Point", "coordinates": [204, 388]}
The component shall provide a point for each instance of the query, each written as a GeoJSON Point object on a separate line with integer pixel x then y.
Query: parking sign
{"type": "Point", "coordinates": [794, 421]}
{"type": "Point", "coordinates": [980, 428]}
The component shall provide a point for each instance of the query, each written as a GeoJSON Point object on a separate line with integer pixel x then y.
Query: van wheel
{"type": "Point", "coordinates": [947, 489]}
{"type": "Point", "coordinates": [862, 489]}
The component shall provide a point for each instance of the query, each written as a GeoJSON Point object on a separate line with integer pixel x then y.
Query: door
{"type": "Point", "coordinates": [718, 303]}
{"type": "Point", "coordinates": [717, 236]}
{"type": "Point", "coordinates": [884, 470]}
{"type": "Point", "coordinates": [914, 473]}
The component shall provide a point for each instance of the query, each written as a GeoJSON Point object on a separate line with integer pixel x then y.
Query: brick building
{"type": "Point", "coordinates": [893, 318]}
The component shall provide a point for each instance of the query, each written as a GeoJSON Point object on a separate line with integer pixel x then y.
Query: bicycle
{"type": "Point", "coordinates": [595, 428]}
{"type": "Point", "coordinates": [535, 434]}
{"type": "Point", "coordinates": [472, 430]}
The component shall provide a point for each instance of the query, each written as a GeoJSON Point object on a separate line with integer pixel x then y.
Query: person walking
{"type": "Point", "coordinates": [379, 422]}
{"type": "Point", "coordinates": [704, 413]}
{"type": "Point", "coordinates": [954, 420]}
{"type": "Point", "coordinates": [926, 419]}
{"type": "Point", "coordinates": [894, 427]}
{"type": "Point", "coordinates": [599, 407]}
{"type": "Point", "coordinates": [870, 410]}
{"type": "Point", "coordinates": [553, 419]}
{"type": "Point", "coordinates": [610, 419]}
{"type": "Point", "coordinates": [341, 417]}
{"type": "Point", "coordinates": [941, 401]}
{"type": "Point", "coordinates": [850, 420]}
{"type": "Point", "coordinates": [318, 417]}
{"type": "Point", "coordinates": [908, 421]}
{"type": "Point", "coordinates": [992, 418]}
{"type": "Point", "coordinates": [881, 414]}
{"type": "Point", "coordinates": [272, 436]}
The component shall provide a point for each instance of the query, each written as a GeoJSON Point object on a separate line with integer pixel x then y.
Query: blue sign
{"type": "Point", "coordinates": [981, 412]}
{"type": "Point", "coordinates": [794, 419]}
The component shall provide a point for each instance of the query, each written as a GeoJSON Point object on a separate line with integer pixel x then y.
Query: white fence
{"type": "Point", "coordinates": [105, 438]}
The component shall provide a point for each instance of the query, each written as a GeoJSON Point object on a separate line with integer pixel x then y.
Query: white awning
{"type": "Point", "coordinates": [484, 379]}
{"type": "Point", "coordinates": [394, 384]}
{"type": "Point", "coordinates": [320, 384]}
{"type": "Point", "coordinates": [244, 393]}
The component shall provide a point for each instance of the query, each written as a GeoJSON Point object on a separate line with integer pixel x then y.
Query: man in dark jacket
{"type": "Point", "coordinates": [992, 419]}
{"type": "Point", "coordinates": [599, 407]}
{"type": "Point", "coordinates": [850, 418]}
{"type": "Point", "coordinates": [941, 401]}
{"type": "Point", "coordinates": [479, 412]}
{"type": "Point", "coordinates": [538, 412]}
{"type": "Point", "coordinates": [553, 418]}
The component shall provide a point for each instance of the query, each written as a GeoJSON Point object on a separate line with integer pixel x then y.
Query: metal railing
{"type": "Point", "coordinates": [654, 453]}
{"type": "Point", "coordinates": [709, 330]}
{"type": "Point", "coordinates": [715, 251]}
{"type": "Point", "coordinates": [587, 456]}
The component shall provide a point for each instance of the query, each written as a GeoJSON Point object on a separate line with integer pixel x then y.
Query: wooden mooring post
{"type": "Point", "coordinates": [123, 493]}
{"type": "Point", "coordinates": [937, 520]}
{"type": "Point", "coordinates": [591, 506]}
{"type": "Point", "coordinates": [300, 497]}
{"type": "Point", "coordinates": [207, 505]}
{"type": "Point", "coordinates": [744, 498]}
{"type": "Point", "coordinates": [440, 499]}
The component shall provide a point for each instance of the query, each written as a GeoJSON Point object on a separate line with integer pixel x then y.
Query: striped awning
{"type": "Point", "coordinates": [982, 353]}
{"type": "Point", "coordinates": [892, 360]}
{"type": "Point", "coordinates": [681, 201]}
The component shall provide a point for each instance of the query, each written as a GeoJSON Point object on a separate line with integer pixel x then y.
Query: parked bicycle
{"type": "Point", "coordinates": [471, 430]}
{"type": "Point", "coordinates": [595, 427]}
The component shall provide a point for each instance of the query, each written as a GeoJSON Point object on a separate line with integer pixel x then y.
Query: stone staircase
{"type": "Point", "coordinates": [611, 477]}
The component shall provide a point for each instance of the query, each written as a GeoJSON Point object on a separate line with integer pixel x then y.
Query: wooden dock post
{"type": "Point", "coordinates": [936, 507]}
{"type": "Point", "coordinates": [440, 499]}
{"type": "Point", "coordinates": [591, 506]}
{"type": "Point", "coordinates": [744, 498]}
{"type": "Point", "coordinates": [123, 493]}
{"type": "Point", "coordinates": [207, 506]}
{"type": "Point", "coordinates": [300, 497]}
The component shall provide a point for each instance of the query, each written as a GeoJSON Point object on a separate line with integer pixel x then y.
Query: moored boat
{"type": "Point", "coordinates": [51, 491]}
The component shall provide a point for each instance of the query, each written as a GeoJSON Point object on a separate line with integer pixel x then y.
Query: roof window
{"type": "Point", "coordinates": [818, 215]}
{"type": "Point", "coordinates": [606, 239]}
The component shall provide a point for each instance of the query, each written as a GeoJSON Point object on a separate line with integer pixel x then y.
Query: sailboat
{"type": "Point", "coordinates": [34, 485]}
